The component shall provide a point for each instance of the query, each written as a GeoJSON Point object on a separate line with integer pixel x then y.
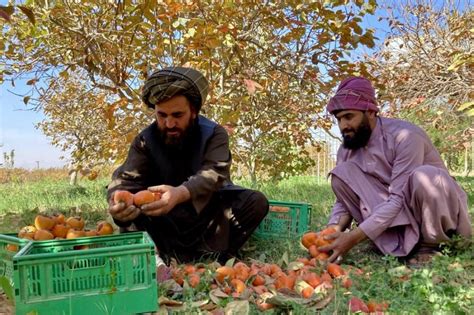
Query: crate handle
{"type": "Point", "coordinates": [279, 209]}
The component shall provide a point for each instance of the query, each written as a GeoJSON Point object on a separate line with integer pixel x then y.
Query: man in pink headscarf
{"type": "Point", "coordinates": [391, 180]}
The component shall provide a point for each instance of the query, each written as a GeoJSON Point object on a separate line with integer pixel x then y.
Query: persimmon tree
{"type": "Point", "coordinates": [426, 66]}
{"type": "Point", "coordinates": [270, 65]}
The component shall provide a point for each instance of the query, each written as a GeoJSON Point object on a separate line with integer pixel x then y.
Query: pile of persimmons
{"type": "Point", "coordinates": [306, 280]}
{"type": "Point", "coordinates": [47, 227]}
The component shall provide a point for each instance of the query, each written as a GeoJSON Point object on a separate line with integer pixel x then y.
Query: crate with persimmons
{"type": "Point", "coordinates": [111, 274]}
{"type": "Point", "coordinates": [285, 220]}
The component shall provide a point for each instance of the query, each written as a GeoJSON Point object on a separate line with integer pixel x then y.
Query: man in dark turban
{"type": "Point", "coordinates": [391, 180]}
{"type": "Point", "coordinates": [185, 157]}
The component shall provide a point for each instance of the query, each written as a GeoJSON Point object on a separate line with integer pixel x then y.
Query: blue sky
{"type": "Point", "coordinates": [17, 132]}
{"type": "Point", "coordinates": [32, 148]}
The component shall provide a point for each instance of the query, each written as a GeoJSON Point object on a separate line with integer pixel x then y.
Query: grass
{"type": "Point", "coordinates": [444, 287]}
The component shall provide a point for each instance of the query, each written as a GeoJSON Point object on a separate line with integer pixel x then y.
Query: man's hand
{"type": "Point", "coordinates": [342, 243]}
{"type": "Point", "coordinates": [121, 212]}
{"type": "Point", "coordinates": [170, 197]}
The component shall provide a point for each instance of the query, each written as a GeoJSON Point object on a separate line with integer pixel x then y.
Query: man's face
{"type": "Point", "coordinates": [355, 128]}
{"type": "Point", "coordinates": [174, 117]}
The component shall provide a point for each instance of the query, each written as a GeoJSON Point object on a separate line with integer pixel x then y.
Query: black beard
{"type": "Point", "coordinates": [177, 143]}
{"type": "Point", "coordinates": [360, 138]}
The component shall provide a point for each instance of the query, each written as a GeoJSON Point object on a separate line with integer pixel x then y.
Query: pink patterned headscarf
{"type": "Point", "coordinates": [354, 93]}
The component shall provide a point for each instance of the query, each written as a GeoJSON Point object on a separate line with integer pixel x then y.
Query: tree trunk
{"type": "Point", "coordinates": [73, 178]}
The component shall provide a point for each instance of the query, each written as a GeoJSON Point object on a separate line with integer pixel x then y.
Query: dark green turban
{"type": "Point", "coordinates": [168, 82]}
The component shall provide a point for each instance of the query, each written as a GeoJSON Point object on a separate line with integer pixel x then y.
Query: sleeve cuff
{"type": "Point", "coordinates": [371, 229]}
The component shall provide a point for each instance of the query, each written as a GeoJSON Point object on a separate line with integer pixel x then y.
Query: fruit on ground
{"type": "Point", "coordinates": [194, 280]}
{"type": "Point", "coordinates": [239, 285]}
{"type": "Point", "coordinates": [123, 196]}
{"type": "Point", "coordinates": [335, 270]}
{"type": "Point", "coordinates": [224, 272]}
{"type": "Point", "coordinates": [43, 222]}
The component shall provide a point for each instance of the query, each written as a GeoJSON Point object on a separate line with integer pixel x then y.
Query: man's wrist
{"type": "Point", "coordinates": [184, 194]}
{"type": "Point", "coordinates": [358, 235]}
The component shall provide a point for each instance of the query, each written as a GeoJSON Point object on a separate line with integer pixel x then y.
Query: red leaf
{"type": "Point", "coordinates": [357, 305]}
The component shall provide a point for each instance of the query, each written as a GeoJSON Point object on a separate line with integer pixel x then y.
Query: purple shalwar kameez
{"type": "Point", "coordinates": [398, 190]}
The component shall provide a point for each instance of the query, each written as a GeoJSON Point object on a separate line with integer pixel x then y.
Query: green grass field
{"type": "Point", "coordinates": [444, 287]}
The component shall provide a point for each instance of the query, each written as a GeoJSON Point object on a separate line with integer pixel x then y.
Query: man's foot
{"type": "Point", "coordinates": [422, 257]}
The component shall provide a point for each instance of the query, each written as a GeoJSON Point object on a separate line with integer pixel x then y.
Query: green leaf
{"type": "Point", "coordinates": [7, 287]}
{"type": "Point", "coordinates": [28, 13]}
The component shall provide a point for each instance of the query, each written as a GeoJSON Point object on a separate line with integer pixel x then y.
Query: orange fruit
{"type": "Point", "coordinates": [72, 233]}
{"type": "Point", "coordinates": [12, 247]}
{"type": "Point", "coordinates": [347, 282]}
{"type": "Point", "coordinates": [77, 223]}
{"type": "Point", "coordinates": [43, 222]}
{"type": "Point", "coordinates": [377, 307]}
{"type": "Point", "coordinates": [123, 196]}
{"type": "Point", "coordinates": [42, 235]}
{"type": "Point", "coordinates": [322, 256]}
{"type": "Point", "coordinates": [90, 233]}
{"type": "Point", "coordinates": [194, 280]}
{"type": "Point", "coordinates": [27, 232]}
{"type": "Point", "coordinates": [307, 292]}
{"type": "Point", "coordinates": [309, 239]}
{"type": "Point", "coordinates": [335, 270]}
{"type": "Point", "coordinates": [312, 279]}
{"type": "Point", "coordinates": [60, 230]}
{"type": "Point", "coordinates": [258, 280]}
{"type": "Point", "coordinates": [104, 228]}
{"type": "Point", "coordinates": [242, 271]}
{"type": "Point", "coordinates": [238, 285]}
{"type": "Point", "coordinates": [59, 218]}
{"type": "Point", "coordinates": [143, 197]}
{"type": "Point", "coordinates": [224, 272]}
{"type": "Point", "coordinates": [177, 275]}
{"type": "Point", "coordinates": [313, 251]}
{"type": "Point", "coordinates": [188, 269]}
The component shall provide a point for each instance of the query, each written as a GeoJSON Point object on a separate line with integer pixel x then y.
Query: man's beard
{"type": "Point", "coordinates": [178, 141]}
{"type": "Point", "coordinates": [360, 138]}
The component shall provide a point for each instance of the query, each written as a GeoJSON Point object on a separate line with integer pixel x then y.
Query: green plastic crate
{"type": "Point", "coordinates": [10, 244]}
{"type": "Point", "coordinates": [285, 220]}
{"type": "Point", "coordinates": [115, 274]}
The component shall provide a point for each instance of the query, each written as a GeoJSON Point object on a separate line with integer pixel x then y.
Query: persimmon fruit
{"type": "Point", "coordinates": [60, 230]}
{"type": "Point", "coordinates": [104, 228]}
{"type": "Point", "coordinates": [27, 232]}
{"type": "Point", "coordinates": [43, 235]}
{"type": "Point", "coordinates": [144, 197]}
{"type": "Point", "coordinates": [77, 223]}
{"type": "Point", "coordinates": [43, 222]}
{"type": "Point", "coordinates": [123, 196]}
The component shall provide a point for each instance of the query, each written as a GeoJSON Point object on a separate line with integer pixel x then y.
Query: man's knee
{"type": "Point", "coordinates": [260, 204]}
{"type": "Point", "coordinates": [428, 181]}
